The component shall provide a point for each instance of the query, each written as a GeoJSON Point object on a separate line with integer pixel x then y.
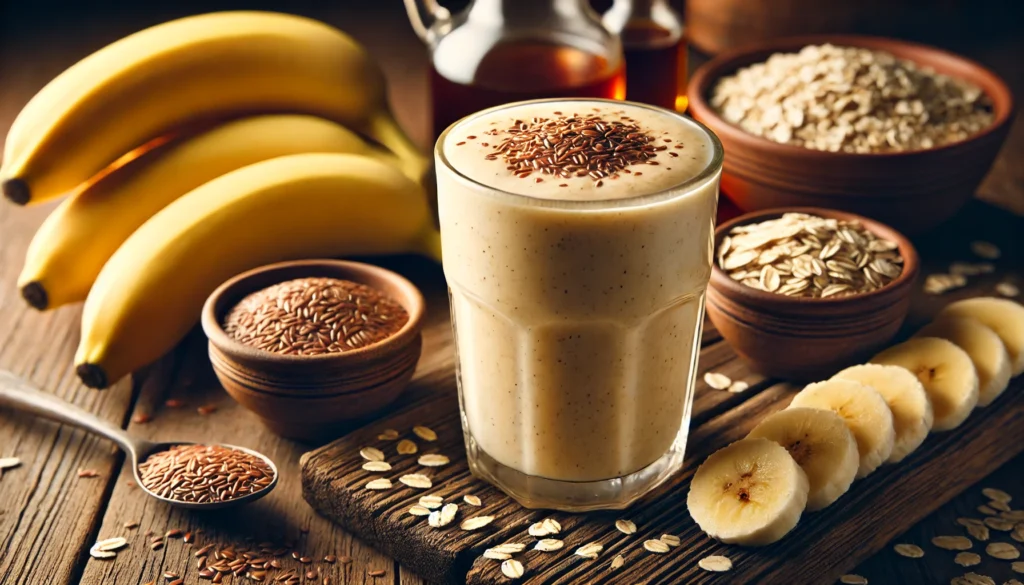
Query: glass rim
{"type": "Point", "coordinates": [713, 167]}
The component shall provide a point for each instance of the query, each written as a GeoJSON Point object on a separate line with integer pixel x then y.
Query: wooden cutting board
{"type": "Point", "coordinates": [823, 546]}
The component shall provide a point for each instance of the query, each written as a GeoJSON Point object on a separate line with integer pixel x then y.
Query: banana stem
{"type": "Point", "coordinates": [383, 128]}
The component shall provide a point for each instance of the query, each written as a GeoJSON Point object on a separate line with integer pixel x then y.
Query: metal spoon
{"type": "Point", "coordinates": [18, 394]}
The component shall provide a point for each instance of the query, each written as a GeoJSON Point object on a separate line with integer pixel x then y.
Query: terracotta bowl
{"type": "Point", "coordinates": [912, 191]}
{"type": "Point", "coordinates": [308, 397]}
{"type": "Point", "coordinates": [808, 339]}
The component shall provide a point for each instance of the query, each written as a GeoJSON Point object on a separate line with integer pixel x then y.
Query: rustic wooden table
{"type": "Point", "coordinates": [49, 515]}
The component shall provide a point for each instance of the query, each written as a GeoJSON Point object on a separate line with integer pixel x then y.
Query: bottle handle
{"type": "Point", "coordinates": [423, 15]}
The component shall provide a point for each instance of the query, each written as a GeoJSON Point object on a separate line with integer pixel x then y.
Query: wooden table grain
{"type": "Point", "coordinates": [49, 516]}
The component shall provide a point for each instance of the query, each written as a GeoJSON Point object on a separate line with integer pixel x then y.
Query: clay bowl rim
{"type": "Point", "coordinates": [735, 289]}
{"type": "Point", "coordinates": [730, 61]}
{"type": "Point", "coordinates": [353, 271]}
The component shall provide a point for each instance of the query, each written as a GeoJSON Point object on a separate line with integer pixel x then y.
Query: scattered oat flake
{"type": "Point", "coordinates": [1015, 515]}
{"type": "Point", "coordinates": [444, 516]}
{"type": "Point", "coordinates": [496, 555]}
{"type": "Point", "coordinates": [656, 546]}
{"type": "Point", "coordinates": [509, 548]}
{"type": "Point", "coordinates": [738, 386]}
{"type": "Point", "coordinates": [987, 511]}
{"type": "Point", "coordinates": [999, 506]}
{"type": "Point", "coordinates": [425, 433]}
{"type": "Point", "coordinates": [472, 500]}
{"type": "Point", "coordinates": [476, 522]}
{"type": "Point", "coordinates": [111, 544]}
{"type": "Point", "coordinates": [544, 528]}
{"type": "Point", "coordinates": [717, 381]}
{"type": "Point", "coordinates": [997, 494]}
{"type": "Point", "coordinates": [371, 454]}
{"type": "Point", "coordinates": [433, 460]}
{"type": "Point", "coordinates": [625, 526]}
{"type": "Point", "coordinates": [416, 480]}
{"type": "Point", "coordinates": [617, 562]}
{"type": "Point", "coordinates": [9, 462]}
{"type": "Point", "coordinates": [590, 550]}
{"type": "Point", "coordinates": [1003, 551]}
{"type": "Point", "coordinates": [952, 542]}
{"type": "Point", "coordinates": [986, 250]}
{"type": "Point", "coordinates": [911, 551]}
{"type": "Point", "coordinates": [967, 559]}
{"type": "Point", "coordinates": [972, 579]}
{"type": "Point", "coordinates": [1000, 524]}
{"type": "Point", "coordinates": [1007, 289]}
{"type": "Point", "coordinates": [979, 533]}
{"type": "Point", "coordinates": [406, 447]}
{"type": "Point", "coordinates": [548, 545]}
{"type": "Point", "coordinates": [853, 580]}
{"type": "Point", "coordinates": [418, 510]}
{"type": "Point", "coordinates": [715, 564]}
{"type": "Point", "coordinates": [431, 502]}
{"type": "Point", "coordinates": [670, 539]}
{"type": "Point", "coordinates": [101, 554]}
{"type": "Point", "coordinates": [379, 484]}
{"type": "Point", "coordinates": [969, 522]}
{"type": "Point", "coordinates": [1017, 566]}
{"type": "Point", "coordinates": [377, 466]}
{"type": "Point", "coordinates": [512, 569]}
{"type": "Point", "coordinates": [88, 473]}
{"type": "Point", "coordinates": [388, 435]}
{"type": "Point", "coordinates": [1013, 582]}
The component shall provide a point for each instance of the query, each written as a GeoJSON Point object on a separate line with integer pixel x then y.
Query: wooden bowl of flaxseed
{"type": "Point", "coordinates": [311, 345]}
{"type": "Point", "coordinates": [801, 293]}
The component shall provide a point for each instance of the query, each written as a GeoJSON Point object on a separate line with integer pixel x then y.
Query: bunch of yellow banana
{"type": "Point", "coordinates": [195, 150]}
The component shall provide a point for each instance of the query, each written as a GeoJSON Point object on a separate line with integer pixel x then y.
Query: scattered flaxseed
{"type": "Point", "coordinates": [656, 546]}
{"type": "Point", "coordinates": [967, 559]}
{"type": "Point", "coordinates": [388, 435]}
{"type": "Point", "coordinates": [207, 409]}
{"type": "Point", "coordinates": [416, 480]}
{"type": "Point", "coordinates": [1003, 551]}
{"type": "Point", "coordinates": [376, 573]}
{"type": "Point", "coordinates": [142, 418]}
{"type": "Point", "coordinates": [418, 510]}
{"type": "Point", "coordinates": [617, 562]}
{"type": "Point", "coordinates": [544, 528]}
{"type": "Point", "coordinates": [670, 539]}
{"type": "Point", "coordinates": [1007, 289]}
{"type": "Point", "coordinates": [476, 522]}
{"type": "Point", "coordinates": [425, 433]}
{"type": "Point", "coordinates": [406, 447]}
{"type": "Point", "coordinates": [952, 542]}
{"type": "Point", "coordinates": [379, 484]}
{"type": "Point", "coordinates": [377, 466]}
{"type": "Point", "coordinates": [371, 454]}
{"type": "Point", "coordinates": [512, 569]}
{"type": "Point", "coordinates": [131, 525]}
{"type": "Point", "coordinates": [911, 551]}
{"type": "Point", "coordinates": [853, 580]}
{"type": "Point", "coordinates": [591, 550]}
{"type": "Point", "coordinates": [330, 559]}
{"type": "Point", "coordinates": [986, 250]}
{"type": "Point", "coordinates": [715, 564]}
{"type": "Point", "coordinates": [625, 526]}
{"type": "Point", "coordinates": [548, 545]}
{"type": "Point", "coordinates": [472, 500]}
{"type": "Point", "coordinates": [431, 502]}
{"type": "Point", "coordinates": [88, 473]}
{"type": "Point", "coordinates": [717, 381]}
{"type": "Point", "coordinates": [174, 403]}
{"type": "Point", "coordinates": [433, 460]}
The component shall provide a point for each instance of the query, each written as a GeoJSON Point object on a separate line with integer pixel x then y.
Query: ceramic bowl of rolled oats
{"type": "Point", "coordinates": [893, 130]}
{"type": "Point", "coordinates": [800, 293]}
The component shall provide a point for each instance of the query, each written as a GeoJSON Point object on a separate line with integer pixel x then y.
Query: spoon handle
{"type": "Point", "coordinates": [18, 394]}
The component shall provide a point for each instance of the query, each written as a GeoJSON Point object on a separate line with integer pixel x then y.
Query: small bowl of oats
{"type": "Point", "coordinates": [896, 131]}
{"type": "Point", "coordinates": [801, 293]}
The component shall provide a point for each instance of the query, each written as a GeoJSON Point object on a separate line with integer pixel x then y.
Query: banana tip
{"type": "Point", "coordinates": [92, 376]}
{"type": "Point", "coordinates": [35, 295]}
{"type": "Point", "coordinates": [17, 191]}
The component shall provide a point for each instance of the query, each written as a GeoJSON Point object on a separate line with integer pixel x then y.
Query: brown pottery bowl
{"type": "Point", "coordinates": [809, 339]}
{"type": "Point", "coordinates": [912, 191]}
{"type": "Point", "coordinates": [308, 397]}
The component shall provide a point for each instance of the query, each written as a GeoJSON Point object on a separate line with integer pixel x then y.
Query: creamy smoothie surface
{"type": "Point", "coordinates": [577, 324]}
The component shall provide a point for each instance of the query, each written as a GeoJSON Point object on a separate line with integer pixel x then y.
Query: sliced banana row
{"type": "Point", "coordinates": [805, 457]}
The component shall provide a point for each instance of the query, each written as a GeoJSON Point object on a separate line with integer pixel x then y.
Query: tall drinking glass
{"type": "Point", "coordinates": [577, 242]}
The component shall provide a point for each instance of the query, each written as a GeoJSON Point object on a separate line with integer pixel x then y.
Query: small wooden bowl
{"type": "Point", "coordinates": [808, 338]}
{"type": "Point", "coordinates": [307, 397]}
{"type": "Point", "coordinates": [912, 191]}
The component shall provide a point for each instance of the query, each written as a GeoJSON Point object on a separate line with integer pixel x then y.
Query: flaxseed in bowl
{"type": "Point", "coordinates": [307, 345]}
{"type": "Point", "coordinates": [892, 130]}
{"type": "Point", "coordinates": [803, 292]}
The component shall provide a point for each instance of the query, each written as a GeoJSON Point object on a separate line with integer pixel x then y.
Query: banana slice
{"type": "Point", "coordinates": [751, 492]}
{"type": "Point", "coordinates": [864, 411]}
{"type": "Point", "coordinates": [945, 371]}
{"type": "Point", "coordinates": [912, 415]}
{"type": "Point", "coordinates": [822, 445]}
{"type": "Point", "coordinates": [1003, 316]}
{"type": "Point", "coordinates": [986, 350]}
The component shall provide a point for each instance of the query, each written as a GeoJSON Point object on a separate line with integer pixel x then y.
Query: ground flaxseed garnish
{"type": "Point", "coordinates": [573, 146]}
{"type": "Point", "coordinates": [204, 473]}
{"type": "Point", "coordinates": [314, 316]}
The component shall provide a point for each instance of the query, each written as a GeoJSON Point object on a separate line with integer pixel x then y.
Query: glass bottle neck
{"type": "Point", "coordinates": [508, 11]}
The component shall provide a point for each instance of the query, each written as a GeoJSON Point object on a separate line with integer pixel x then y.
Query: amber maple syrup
{"type": "Point", "coordinates": [513, 72]}
{"type": "Point", "coordinates": [655, 66]}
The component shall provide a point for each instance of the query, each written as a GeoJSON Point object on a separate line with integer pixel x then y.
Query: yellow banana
{"type": "Point", "coordinates": [188, 70]}
{"type": "Point", "coordinates": [151, 291]}
{"type": "Point", "coordinates": [81, 234]}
